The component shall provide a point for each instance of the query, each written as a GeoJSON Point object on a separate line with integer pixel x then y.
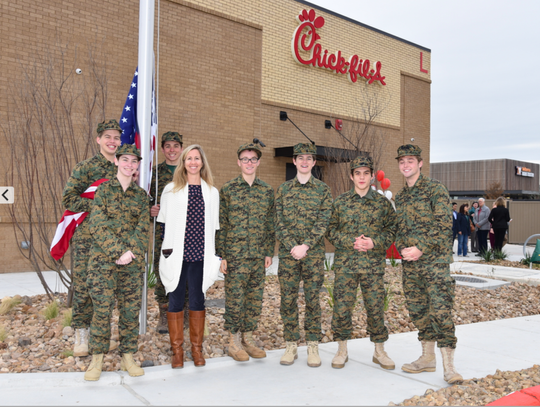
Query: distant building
{"type": "Point", "coordinates": [518, 179]}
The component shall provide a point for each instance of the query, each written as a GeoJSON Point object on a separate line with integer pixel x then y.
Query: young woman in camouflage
{"type": "Point", "coordinates": [190, 214]}
{"type": "Point", "coordinates": [424, 239]}
{"type": "Point", "coordinates": [119, 224]}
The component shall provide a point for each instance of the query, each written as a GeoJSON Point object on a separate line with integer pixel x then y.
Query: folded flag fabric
{"type": "Point", "coordinates": [69, 222]}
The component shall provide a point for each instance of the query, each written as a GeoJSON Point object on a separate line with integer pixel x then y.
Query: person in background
{"type": "Point", "coordinates": [464, 229]}
{"type": "Point", "coordinates": [481, 222]}
{"type": "Point", "coordinates": [499, 218]}
{"type": "Point", "coordinates": [454, 224]}
{"type": "Point", "coordinates": [491, 232]}
{"type": "Point", "coordinates": [172, 147]}
{"type": "Point", "coordinates": [189, 210]}
{"type": "Point", "coordinates": [473, 237]}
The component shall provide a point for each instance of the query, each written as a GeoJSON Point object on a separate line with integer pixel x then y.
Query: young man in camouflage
{"type": "Point", "coordinates": [172, 147]}
{"type": "Point", "coordinates": [303, 209]}
{"type": "Point", "coordinates": [423, 240]}
{"type": "Point", "coordinates": [85, 174]}
{"type": "Point", "coordinates": [362, 228]}
{"type": "Point", "coordinates": [245, 241]}
{"type": "Point", "coordinates": [119, 224]}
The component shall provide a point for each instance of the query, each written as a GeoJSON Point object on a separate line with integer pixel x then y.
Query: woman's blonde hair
{"type": "Point", "coordinates": [180, 174]}
{"type": "Point", "coordinates": [500, 202]}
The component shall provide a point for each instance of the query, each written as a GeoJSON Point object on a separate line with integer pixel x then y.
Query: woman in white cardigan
{"type": "Point", "coordinates": [190, 213]}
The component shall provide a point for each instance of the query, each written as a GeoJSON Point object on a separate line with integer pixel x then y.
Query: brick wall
{"type": "Point", "coordinates": [225, 72]}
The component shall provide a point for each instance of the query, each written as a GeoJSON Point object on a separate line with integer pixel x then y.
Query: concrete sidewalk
{"type": "Point", "coordinates": [482, 349]}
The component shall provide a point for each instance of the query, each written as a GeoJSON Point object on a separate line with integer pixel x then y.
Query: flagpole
{"type": "Point", "coordinates": [144, 106]}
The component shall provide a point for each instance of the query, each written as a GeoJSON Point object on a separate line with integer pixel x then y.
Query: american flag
{"type": "Point", "coordinates": [130, 128]}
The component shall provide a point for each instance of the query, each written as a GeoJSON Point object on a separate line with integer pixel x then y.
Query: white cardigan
{"type": "Point", "coordinates": [173, 212]}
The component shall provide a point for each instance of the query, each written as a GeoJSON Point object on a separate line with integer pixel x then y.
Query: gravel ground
{"type": "Point", "coordinates": [33, 344]}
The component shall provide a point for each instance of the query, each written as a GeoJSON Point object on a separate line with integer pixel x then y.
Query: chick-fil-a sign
{"type": "Point", "coordinates": [305, 38]}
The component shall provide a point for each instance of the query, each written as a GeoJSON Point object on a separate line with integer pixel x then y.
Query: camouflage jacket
{"type": "Point", "coordinates": [119, 222]}
{"type": "Point", "coordinates": [246, 220]}
{"type": "Point", "coordinates": [372, 216]}
{"type": "Point", "coordinates": [302, 214]}
{"type": "Point", "coordinates": [164, 177]}
{"type": "Point", "coordinates": [425, 220]}
{"type": "Point", "coordinates": [84, 174]}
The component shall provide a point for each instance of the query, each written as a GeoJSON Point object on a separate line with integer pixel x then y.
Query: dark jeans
{"type": "Point", "coordinates": [482, 240]}
{"type": "Point", "coordinates": [192, 272]}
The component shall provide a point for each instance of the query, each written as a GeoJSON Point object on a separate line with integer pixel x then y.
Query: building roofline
{"type": "Point", "coordinates": [307, 3]}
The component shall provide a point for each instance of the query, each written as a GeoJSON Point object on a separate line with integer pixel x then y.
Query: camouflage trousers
{"type": "Point", "coordinates": [108, 283]}
{"type": "Point", "coordinates": [429, 293]}
{"type": "Point", "coordinates": [82, 303]}
{"type": "Point", "coordinates": [345, 289]}
{"type": "Point", "coordinates": [310, 270]}
{"type": "Point", "coordinates": [244, 287]}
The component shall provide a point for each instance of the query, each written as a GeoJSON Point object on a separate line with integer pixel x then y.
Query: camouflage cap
{"type": "Point", "coordinates": [128, 149]}
{"type": "Point", "coordinates": [250, 146]}
{"type": "Point", "coordinates": [305, 148]}
{"type": "Point", "coordinates": [362, 161]}
{"type": "Point", "coordinates": [108, 125]}
{"type": "Point", "coordinates": [408, 149]}
{"type": "Point", "coordinates": [171, 136]}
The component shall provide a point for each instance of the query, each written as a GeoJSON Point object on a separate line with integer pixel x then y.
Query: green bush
{"type": "Point", "coordinates": [66, 317]}
{"type": "Point", "coordinates": [51, 311]}
{"type": "Point", "coordinates": [3, 333]}
{"type": "Point", "coordinates": [499, 254]}
{"type": "Point", "coordinates": [8, 304]}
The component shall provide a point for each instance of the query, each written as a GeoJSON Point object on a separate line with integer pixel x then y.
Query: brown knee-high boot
{"type": "Point", "coordinates": [175, 321]}
{"type": "Point", "coordinates": [196, 333]}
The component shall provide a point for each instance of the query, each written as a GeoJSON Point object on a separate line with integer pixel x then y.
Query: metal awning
{"type": "Point", "coordinates": [332, 154]}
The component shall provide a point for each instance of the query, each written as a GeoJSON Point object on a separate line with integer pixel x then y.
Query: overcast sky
{"type": "Point", "coordinates": [485, 70]}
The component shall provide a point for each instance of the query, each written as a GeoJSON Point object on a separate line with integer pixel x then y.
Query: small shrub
{"type": "Point", "coordinates": [499, 254]}
{"type": "Point", "coordinates": [151, 278]}
{"type": "Point", "coordinates": [393, 261]}
{"type": "Point", "coordinates": [328, 266]}
{"type": "Point", "coordinates": [3, 333]}
{"type": "Point", "coordinates": [487, 255]}
{"type": "Point", "coordinates": [67, 353]}
{"type": "Point", "coordinates": [8, 304]}
{"type": "Point", "coordinates": [51, 311]}
{"type": "Point", "coordinates": [330, 288]}
{"type": "Point", "coordinates": [527, 260]}
{"type": "Point", "coordinates": [67, 317]}
{"type": "Point", "coordinates": [388, 294]}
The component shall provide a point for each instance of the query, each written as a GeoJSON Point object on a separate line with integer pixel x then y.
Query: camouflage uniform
{"type": "Point", "coordinates": [165, 176]}
{"type": "Point", "coordinates": [244, 239]}
{"type": "Point", "coordinates": [119, 222]}
{"type": "Point", "coordinates": [425, 221]}
{"type": "Point", "coordinates": [84, 174]}
{"type": "Point", "coordinates": [302, 215]}
{"type": "Point", "coordinates": [373, 216]}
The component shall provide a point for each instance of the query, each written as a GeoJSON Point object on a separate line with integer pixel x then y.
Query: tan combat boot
{"type": "Point", "coordinates": [81, 342]}
{"type": "Point", "coordinates": [313, 359]}
{"type": "Point", "coordinates": [162, 325]}
{"type": "Point", "coordinates": [291, 353]}
{"type": "Point", "coordinates": [450, 374]}
{"type": "Point", "coordinates": [381, 357]}
{"type": "Point", "coordinates": [342, 356]}
{"type": "Point", "coordinates": [251, 347]}
{"type": "Point", "coordinates": [129, 365]}
{"type": "Point", "coordinates": [425, 363]}
{"type": "Point", "coordinates": [236, 351]}
{"type": "Point", "coordinates": [93, 372]}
